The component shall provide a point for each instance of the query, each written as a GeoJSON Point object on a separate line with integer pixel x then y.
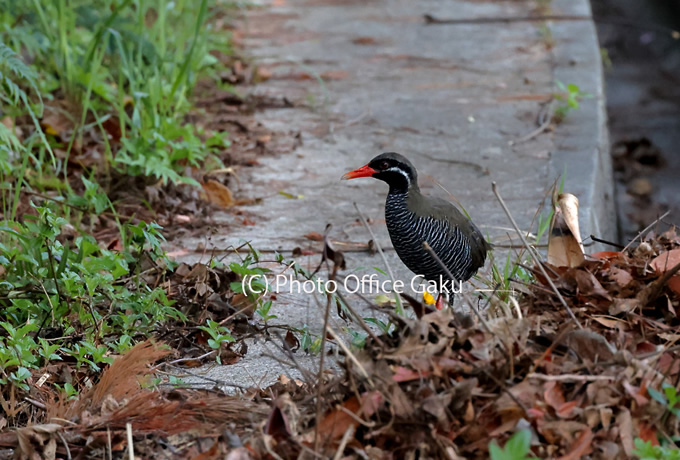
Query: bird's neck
{"type": "Point", "coordinates": [404, 190]}
{"type": "Point", "coordinates": [400, 197]}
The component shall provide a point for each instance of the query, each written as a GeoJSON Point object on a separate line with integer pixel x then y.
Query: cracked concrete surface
{"type": "Point", "coordinates": [368, 77]}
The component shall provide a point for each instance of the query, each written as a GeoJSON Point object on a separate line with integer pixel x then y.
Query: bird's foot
{"type": "Point", "coordinates": [441, 302]}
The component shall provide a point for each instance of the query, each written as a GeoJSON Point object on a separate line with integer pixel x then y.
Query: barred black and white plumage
{"type": "Point", "coordinates": [413, 219]}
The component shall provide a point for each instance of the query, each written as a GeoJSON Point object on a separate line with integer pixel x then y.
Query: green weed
{"type": "Point", "coordinates": [646, 451]}
{"type": "Point", "coordinates": [569, 97]}
{"type": "Point", "coordinates": [84, 292]}
{"type": "Point", "coordinates": [517, 447]}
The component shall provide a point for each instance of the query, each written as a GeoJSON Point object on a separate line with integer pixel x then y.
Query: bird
{"type": "Point", "coordinates": [413, 219]}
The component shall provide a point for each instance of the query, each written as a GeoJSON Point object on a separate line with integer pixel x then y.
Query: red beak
{"type": "Point", "coordinates": [364, 171]}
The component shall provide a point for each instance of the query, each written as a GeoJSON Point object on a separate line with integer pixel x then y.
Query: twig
{"type": "Point", "coordinates": [181, 360]}
{"type": "Point", "coordinates": [645, 230]}
{"type": "Point", "coordinates": [600, 240]}
{"type": "Point", "coordinates": [534, 255]}
{"type": "Point", "coordinates": [652, 291]}
{"type": "Point", "coordinates": [63, 441]}
{"type": "Point", "coordinates": [361, 321]}
{"type": "Point", "coordinates": [234, 315]}
{"type": "Point", "coordinates": [343, 442]}
{"type": "Point", "coordinates": [131, 448]}
{"type": "Point", "coordinates": [542, 127]}
{"type": "Point", "coordinates": [481, 318]}
{"type": "Point", "coordinates": [319, 383]}
{"type": "Point", "coordinates": [350, 355]}
{"type": "Point", "coordinates": [429, 19]}
{"type": "Point", "coordinates": [570, 377]}
{"type": "Point", "coordinates": [209, 379]}
{"type": "Point", "coordinates": [504, 388]}
{"type": "Point", "coordinates": [109, 449]}
{"type": "Point", "coordinates": [35, 403]}
{"type": "Point", "coordinates": [306, 374]}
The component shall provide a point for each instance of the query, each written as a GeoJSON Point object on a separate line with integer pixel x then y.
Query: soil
{"type": "Point", "coordinates": [642, 72]}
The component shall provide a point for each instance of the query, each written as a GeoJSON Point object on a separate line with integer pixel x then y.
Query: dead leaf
{"type": "Point", "coordinates": [291, 341]}
{"type": "Point", "coordinates": [589, 345]}
{"type": "Point", "coordinates": [211, 454]}
{"type": "Point", "coordinates": [364, 41]}
{"type": "Point", "coordinates": [38, 442]}
{"type": "Point", "coordinates": [56, 121]}
{"type": "Point", "coordinates": [334, 75]}
{"type": "Point", "coordinates": [648, 433]}
{"type": "Point", "coordinates": [621, 277]}
{"type": "Point", "coordinates": [240, 453]}
{"type": "Point", "coordinates": [588, 285]}
{"type": "Point", "coordinates": [606, 255]}
{"type": "Point", "coordinates": [564, 244]}
{"type": "Point", "coordinates": [665, 261]}
{"type": "Point", "coordinates": [674, 284]}
{"type": "Point", "coordinates": [581, 446]}
{"type": "Point", "coordinates": [262, 74]}
{"type": "Point", "coordinates": [218, 193]}
{"type": "Point", "coordinates": [334, 425]}
{"type": "Point", "coordinates": [636, 393]}
{"type": "Point", "coordinates": [314, 236]}
{"type": "Point", "coordinates": [624, 306]}
{"type": "Point", "coordinates": [277, 425]}
{"type": "Point", "coordinates": [625, 423]}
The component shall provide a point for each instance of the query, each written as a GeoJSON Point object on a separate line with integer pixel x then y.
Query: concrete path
{"type": "Point", "coordinates": [372, 76]}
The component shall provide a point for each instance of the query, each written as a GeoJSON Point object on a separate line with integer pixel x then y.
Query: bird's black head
{"type": "Point", "coordinates": [390, 167]}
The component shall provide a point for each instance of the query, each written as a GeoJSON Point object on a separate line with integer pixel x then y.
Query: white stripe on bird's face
{"type": "Point", "coordinates": [400, 171]}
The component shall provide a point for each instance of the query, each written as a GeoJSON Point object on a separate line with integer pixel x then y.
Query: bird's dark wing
{"type": "Point", "coordinates": [446, 211]}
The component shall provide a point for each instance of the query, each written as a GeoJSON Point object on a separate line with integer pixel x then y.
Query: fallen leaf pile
{"type": "Point", "coordinates": [441, 385]}
{"type": "Point", "coordinates": [445, 386]}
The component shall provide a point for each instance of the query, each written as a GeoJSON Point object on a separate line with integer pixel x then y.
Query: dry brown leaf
{"type": "Point", "coordinates": [364, 40]}
{"type": "Point", "coordinates": [581, 446]}
{"type": "Point", "coordinates": [564, 244]}
{"type": "Point", "coordinates": [218, 193]}
{"type": "Point", "coordinates": [240, 453]}
{"type": "Point", "coordinates": [334, 425]}
{"type": "Point", "coordinates": [121, 380]}
{"type": "Point", "coordinates": [262, 74]}
{"type": "Point", "coordinates": [588, 285]}
{"type": "Point", "coordinates": [674, 284]}
{"type": "Point", "coordinates": [611, 323]}
{"type": "Point", "coordinates": [38, 442]}
{"type": "Point", "coordinates": [648, 433]}
{"type": "Point", "coordinates": [589, 345]}
{"type": "Point", "coordinates": [636, 393]}
{"type": "Point", "coordinates": [624, 306]}
{"type": "Point", "coordinates": [244, 304]}
{"type": "Point", "coordinates": [334, 75]}
{"type": "Point", "coordinates": [605, 255]}
{"type": "Point", "coordinates": [625, 424]}
{"type": "Point", "coordinates": [314, 236]}
{"type": "Point", "coordinates": [211, 454]}
{"type": "Point", "coordinates": [56, 121]}
{"type": "Point", "coordinates": [665, 261]}
{"type": "Point", "coordinates": [620, 276]}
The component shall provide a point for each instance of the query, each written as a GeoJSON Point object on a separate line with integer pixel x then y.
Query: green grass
{"type": "Point", "coordinates": [117, 76]}
{"type": "Point", "coordinates": [131, 64]}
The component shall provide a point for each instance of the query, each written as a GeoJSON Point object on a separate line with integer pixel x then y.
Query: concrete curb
{"type": "Point", "coordinates": [582, 140]}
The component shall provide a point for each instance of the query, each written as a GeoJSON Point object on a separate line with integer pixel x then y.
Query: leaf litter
{"type": "Point", "coordinates": [439, 385]}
